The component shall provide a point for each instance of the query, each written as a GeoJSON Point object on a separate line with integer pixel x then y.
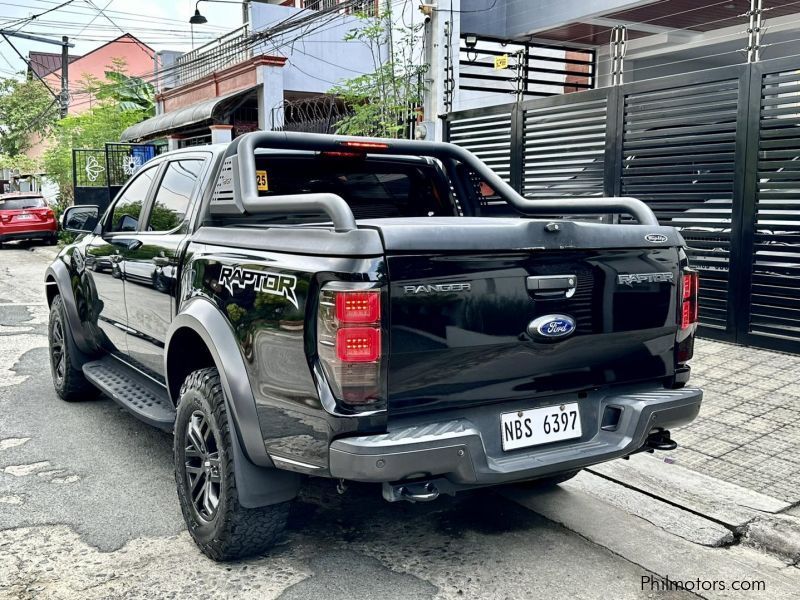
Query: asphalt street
{"type": "Point", "coordinates": [88, 510]}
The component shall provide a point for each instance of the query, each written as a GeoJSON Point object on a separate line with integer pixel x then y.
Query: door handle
{"type": "Point", "coordinates": [552, 286]}
{"type": "Point", "coordinates": [134, 245]}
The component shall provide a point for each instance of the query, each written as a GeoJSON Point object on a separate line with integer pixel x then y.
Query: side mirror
{"type": "Point", "coordinates": [80, 219]}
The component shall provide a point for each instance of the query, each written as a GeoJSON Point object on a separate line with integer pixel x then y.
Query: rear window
{"type": "Point", "coordinates": [374, 189]}
{"type": "Point", "coordinates": [18, 203]}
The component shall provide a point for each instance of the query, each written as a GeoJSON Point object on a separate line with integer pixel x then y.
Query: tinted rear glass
{"type": "Point", "coordinates": [18, 203]}
{"type": "Point", "coordinates": [372, 188]}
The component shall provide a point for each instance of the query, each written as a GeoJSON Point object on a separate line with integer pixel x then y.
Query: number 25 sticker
{"type": "Point", "coordinates": [261, 181]}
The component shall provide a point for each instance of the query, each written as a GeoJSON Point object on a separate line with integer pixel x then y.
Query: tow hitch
{"type": "Point", "coordinates": [659, 439]}
{"type": "Point", "coordinates": [420, 491]}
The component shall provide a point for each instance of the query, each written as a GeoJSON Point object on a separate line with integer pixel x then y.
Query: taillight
{"type": "Point", "coordinates": [358, 307]}
{"type": "Point", "coordinates": [689, 301]}
{"type": "Point", "coordinates": [349, 343]}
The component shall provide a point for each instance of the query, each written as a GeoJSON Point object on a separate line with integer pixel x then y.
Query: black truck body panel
{"type": "Point", "coordinates": [465, 347]}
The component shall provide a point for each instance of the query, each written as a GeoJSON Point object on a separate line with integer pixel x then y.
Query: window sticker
{"type": "Point", "coordinates": [261, 181]}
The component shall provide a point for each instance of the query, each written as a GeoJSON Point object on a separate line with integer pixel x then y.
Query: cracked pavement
{"type": "Point", "coordinates": [88, 510]}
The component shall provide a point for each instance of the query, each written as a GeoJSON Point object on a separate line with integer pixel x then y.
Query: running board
{"type": "Point", "coordinates": [141, 396]}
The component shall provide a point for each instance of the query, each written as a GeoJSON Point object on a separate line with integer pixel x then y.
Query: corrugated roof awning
{"type": "Point", "coordinates": [189, 115]}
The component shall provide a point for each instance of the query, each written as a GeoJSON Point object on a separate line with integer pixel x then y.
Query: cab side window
{"type": "Point", "coordinates": [128, 209]}
{"type": "Point", "coordinates": [171, 202]}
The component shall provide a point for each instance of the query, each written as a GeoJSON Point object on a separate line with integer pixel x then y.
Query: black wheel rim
{"type": "Point", "coordinates": [202, 464]}
{"type": "Point", "coordinates": [58, 359]}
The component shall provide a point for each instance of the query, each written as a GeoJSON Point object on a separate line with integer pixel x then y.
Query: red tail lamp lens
{"type": "Point", "coordinates": [358, 307]}
{"type": "Point", "coordinates": [358, 344]}
{"type": "Point", "coordinates": [690, 304]}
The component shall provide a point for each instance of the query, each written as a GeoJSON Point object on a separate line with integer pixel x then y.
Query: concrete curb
{"type": "Point", "coordinates": [777, 534]}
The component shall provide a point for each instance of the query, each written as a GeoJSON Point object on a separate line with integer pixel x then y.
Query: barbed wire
{"type": "Point", "coordinates": [319, 114]}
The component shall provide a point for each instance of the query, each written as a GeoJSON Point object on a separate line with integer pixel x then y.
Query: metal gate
{"type": "Point", "coordinates": [98, 174]}
{"type": "Point", "coordinates": [715, 153]}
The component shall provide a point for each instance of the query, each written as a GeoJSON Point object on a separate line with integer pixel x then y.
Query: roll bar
{"type": "Point", "coordinates": [242, 150]}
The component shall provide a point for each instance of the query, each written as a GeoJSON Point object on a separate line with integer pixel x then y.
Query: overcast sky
{"type": "Point", "coordinates": [162, 24]}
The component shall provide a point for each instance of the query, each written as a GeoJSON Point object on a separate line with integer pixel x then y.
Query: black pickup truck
{"type": "Point", "coordinates": [296, 305]}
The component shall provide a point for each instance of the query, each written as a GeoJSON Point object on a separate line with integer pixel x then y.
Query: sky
{"type": "Point", "coordinates": [162, 24]}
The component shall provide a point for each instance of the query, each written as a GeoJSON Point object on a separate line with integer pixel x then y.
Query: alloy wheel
{"type": "Point", "coordinates": [202, 464]}
{"type": "Point", "coordinates": [57, 358]}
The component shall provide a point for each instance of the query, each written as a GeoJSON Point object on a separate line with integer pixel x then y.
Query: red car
{"type": "Point", "coordinates": [26, 216]}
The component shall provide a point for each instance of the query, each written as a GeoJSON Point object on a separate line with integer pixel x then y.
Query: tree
{"type": "Point", "coordinates": [27, 108]}
{"type": "Point", "coordinates": [129, 93]}
{"type": "Point", "coordinates": [383, 102]}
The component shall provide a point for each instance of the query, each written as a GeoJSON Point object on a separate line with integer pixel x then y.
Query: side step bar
{"type": "Point", "coordinates": [141, 396]}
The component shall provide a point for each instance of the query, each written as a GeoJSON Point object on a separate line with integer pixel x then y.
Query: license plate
{"type": "Point", "coordinates": [24, 217]}
{"type": "Point", "coordinates": [540, 426]}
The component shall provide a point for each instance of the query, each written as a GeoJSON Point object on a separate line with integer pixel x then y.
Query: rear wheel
{"type": "Point", "coordinates": [204, 473]}
{"type": "Point", "coordinates": [69, 381]}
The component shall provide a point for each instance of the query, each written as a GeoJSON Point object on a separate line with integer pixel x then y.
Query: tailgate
{"type": "Point", "coordinates": [477, 327]}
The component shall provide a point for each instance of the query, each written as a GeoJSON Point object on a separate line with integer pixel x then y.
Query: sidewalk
{"type": "Point", "coordinates": [747, 431]}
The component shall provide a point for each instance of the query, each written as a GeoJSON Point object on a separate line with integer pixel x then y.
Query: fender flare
{"type": "Point", "coordinates": [258, 482]}
{"type": "Point", "coordinates": [205, 319]}
{"type": "Point", "coordinates": [60, 273]}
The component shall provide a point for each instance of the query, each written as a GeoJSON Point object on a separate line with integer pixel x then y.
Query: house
{"type": "Point", "coordinates": [137, 56]}
{"type": "Point", "coordinates": [239, 83]}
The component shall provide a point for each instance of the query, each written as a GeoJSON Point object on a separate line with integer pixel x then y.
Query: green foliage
{"type": "Point", "coordinates": [383, 101]}
{"type": "Point", "coordinates": [26, 108]}
{"type": "Point", "coordinates": [129, 93]}
{"type": "Point", "coordinates": [19, 162]}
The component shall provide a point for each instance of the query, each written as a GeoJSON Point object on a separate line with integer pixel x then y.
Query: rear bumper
{"type": "Point", "coordinates": [466, 449]}
{"type": "Point", "coordinates": [42, 233]}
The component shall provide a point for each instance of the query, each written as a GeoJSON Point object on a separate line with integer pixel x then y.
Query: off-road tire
{"type": "Point", "coordinates": [233, 531]}
{"type": "Point", "coordinates": [69, 382]}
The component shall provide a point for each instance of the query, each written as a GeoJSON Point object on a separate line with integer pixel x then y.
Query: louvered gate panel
{"type": "Point", "coordinates": [775, 284]}
{"type": "Point", "coordinates": [487, 134]}
{"type": "Point", "coordinates": [564, 147]}
{"type": "Point", "coordinates": [678, 157]}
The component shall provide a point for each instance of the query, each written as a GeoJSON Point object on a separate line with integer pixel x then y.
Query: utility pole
{"type": "Point", "coordinates": [63, 98]}
{"type": "Point", "coordinates": [442, 31]}
{"type": "Point", "coordinates": [64, 76]}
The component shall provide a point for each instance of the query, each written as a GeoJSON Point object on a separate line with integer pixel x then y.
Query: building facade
{"type": "Point", "coordinates": [254, 77]}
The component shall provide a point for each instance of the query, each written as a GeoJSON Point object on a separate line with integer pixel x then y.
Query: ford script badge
{"type": "Point", "coordinates": [656, 238]}
{"type": "Point", "coordinates": [549, 327]}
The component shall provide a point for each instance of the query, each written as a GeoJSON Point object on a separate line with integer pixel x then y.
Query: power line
{"type": "Point", "coordinates": [123, 14]}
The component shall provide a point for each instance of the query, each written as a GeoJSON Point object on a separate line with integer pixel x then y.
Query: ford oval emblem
{"type": "Point", "coordinates": [656, 238]}
{"type": "Point", "coordinates": [550, 327]}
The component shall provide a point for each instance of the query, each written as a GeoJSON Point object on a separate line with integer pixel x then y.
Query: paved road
{"type": "Point", "coordinates": [88, 510]}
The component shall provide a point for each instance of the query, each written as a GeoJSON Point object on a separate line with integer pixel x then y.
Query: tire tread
{"type": "Point", "coordinates": [245, 531]}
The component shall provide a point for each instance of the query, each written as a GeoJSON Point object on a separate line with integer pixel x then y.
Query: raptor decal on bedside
{"type": "Point", "coordinates": [277, 284]}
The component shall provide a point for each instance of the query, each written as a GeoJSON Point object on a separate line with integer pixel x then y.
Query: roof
{"type": "Point", "coordinates": [189, 115]}
{"type": "Point", "coordinates": [52, 62]}
{"type": "Point", "coordinates": [44, 63]}
{"type": "Point", "coordinates": [659, 16]}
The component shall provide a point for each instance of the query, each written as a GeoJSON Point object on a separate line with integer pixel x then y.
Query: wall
{"type": "Point", "coordinates": [321, 58]}
{"type": "Point", "coordinates": [139, 59]}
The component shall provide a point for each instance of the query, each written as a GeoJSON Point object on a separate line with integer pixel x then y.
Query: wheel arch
{"type": "Point", "coordinates": [200, 337]}
{"type": "Point", "coordinates": [59, 282]}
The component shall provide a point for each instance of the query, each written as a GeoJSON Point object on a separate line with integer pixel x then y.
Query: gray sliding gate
{"type": "Point", "coordinates": [715, 153]}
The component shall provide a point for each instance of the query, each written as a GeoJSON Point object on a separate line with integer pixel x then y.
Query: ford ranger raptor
{"type": "Point", "coordinates": [295, 305]}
